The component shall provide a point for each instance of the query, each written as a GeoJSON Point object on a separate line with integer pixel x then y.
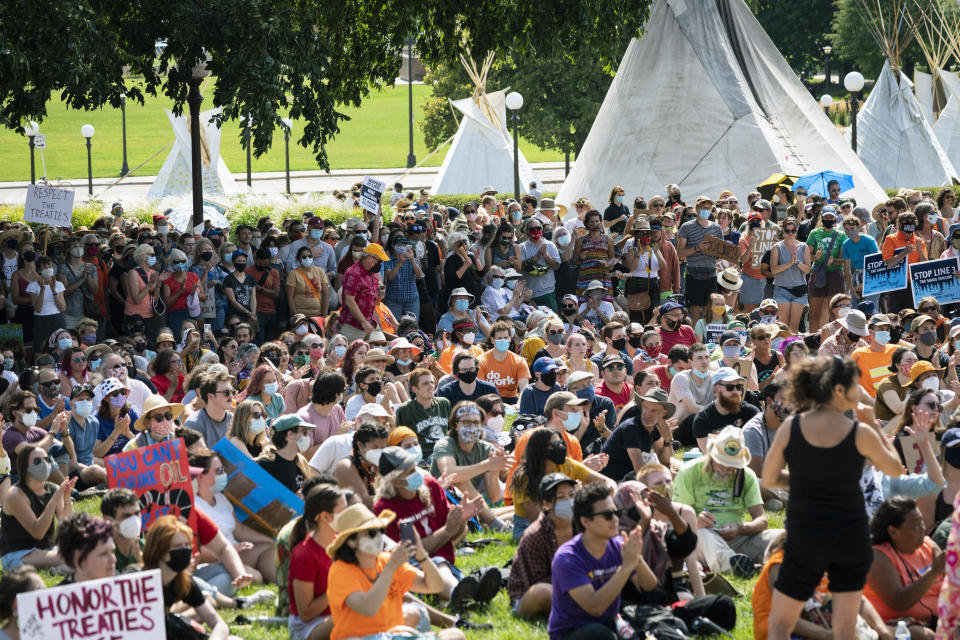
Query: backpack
{"type": "Point", "coordinates": [659, 622]}
{"type": "Point", "coordinates": [521, 424]}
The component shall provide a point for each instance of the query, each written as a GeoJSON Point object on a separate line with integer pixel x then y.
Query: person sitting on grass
{"type": "Point", "coordinates": [122, 508]}
{"type": "Point", "coordinates": [591, 569]}
{"type": "Point", "coordinates": [530, 584]}
{"type": "Point", "coordinates": [86, 545]}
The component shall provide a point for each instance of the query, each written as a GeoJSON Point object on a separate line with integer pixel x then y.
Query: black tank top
{"type": "Point", "coordinates": [764, 371]}
{"type": "Point", "coordinates": [942, 510]}
{"type": "Point", "coordinates": [14, 537]}
{"type": "Point", "coordinates": [824, 482]}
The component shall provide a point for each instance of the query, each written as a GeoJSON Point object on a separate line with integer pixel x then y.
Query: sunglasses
{"type": "Point", "coordinates": [226, 392]}
{"type": "Point", "coordinates": [534, 228]}
{"type": "Point", "coordinates": [733, 387]}
{"type": "Point", "coordinates": [615, 367]}
{"type": "Point", "coordinates": [80, 360]}
{"type": "Point", "coordinates": [162, 417]}
{"type": "Point", "coordinates": [373, 532]}
{"type": "Point", "coordinates": [52, 383]}
{"type": "Point", "coordinates": [925, 309]}
{"type": "Point", "coordinates": [556, 332]}
{"type": "Point", "coordinates": [932, 405]}
{"type": "Point", "coordinates": [609, 514]}
{"type": "Point", "coordinates": [801, 193]}
{"type": "Point", "coordinates": [790, 231]}
{"type": "Point", "coordinates": [258, 415]}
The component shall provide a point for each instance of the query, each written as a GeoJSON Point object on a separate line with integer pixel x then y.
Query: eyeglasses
{"type": "Point", "coordinates": [609, 514]}
{"type": "Point", "coordinates": [925, 309]}
{"type": "Point", "coordinates": [51, 383]}
{"type": "Point", "coordinates": [555, 332]}
{"type": "Point", "coordinates": [932, 405]}
{"type": "Point", "coordinates": [733, 387]}
{"type": "Point", "coordinates": [226, 392]}
{"type": "Point", "coordinates": [657, 206]}
{"type": "Point", "coordinates": [80, 360]}
{"type": "Point", "coordinates": [534, 228]}
{"type": "Point", "coordinates": [176, 262]}
{"type": "Point", "coordinates": [372, 533]}
{"type": "Point", "coordinates": [300, 353]}
{"type": "Point", "coordinates": [162, 417]}
{"type": "Point", "coordinates": [615, 367]}
{"type": "Point", "coordinates": [258, 415]}
{"type": "Point", "coordinates": [801, 193]}
{"type": "Point", "coordinates": [790, 231]}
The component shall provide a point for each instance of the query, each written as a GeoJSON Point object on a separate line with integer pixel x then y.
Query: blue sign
{"type": "Point", "coordinates": [879, 278]}
{"type": "Point", "coordinates": [937, 278]}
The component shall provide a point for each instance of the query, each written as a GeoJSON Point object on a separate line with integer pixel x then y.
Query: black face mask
{"type": "Point", "coordinates": [636, 341]}
{"type": "Point", "coordinates": [240, 266]}
{"type": "Point", "coordinates": [548, 235]}
{"type": "Point", "coordinates": [557, 453]}
{"type": "Point", "coordinates": [12, 243]}
{"type": "Point", "coordinates": [928, 338]}
{"type": "Point", "coordinates": [633, 513]}
{"type": "Point", "coordinates": [548, 379]}
{"type": "Point", "coordinates": [672, 325]}
{"type": "Point", "coordinates": [373, 388]}
{"type": "Point", "coordinates": [569, 311]}
{"type": "Point", "coordinates": [206, 255]}
{"type": "Point", "coordinates": [828, 224]}
{"type": "Point", "coordinates": [29, 256]}
{"type": "Point", "coordinates": [468, 377]}
{"type": "Point", "coordinates": [895, 334]}
{"type": "Point", "coordinates": [179, 559]}
{"type": "Point", "coordinates": [619, 344]}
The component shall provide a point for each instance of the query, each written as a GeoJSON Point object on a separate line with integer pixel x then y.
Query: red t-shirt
{"type": "Point", "coordinates": [309, 562]}
{"type": "Point", "coordinates": [427, 520]}
{"type": "Point", "coordinates": [619, 399]}
{"type": "Point", "coordinates": [265, 304]}
{"type": "Point", "coordinates": [362, 285]}
{"type": "Point", "coordinates": [668, 339]}
{"type": "Point", "coordinates": [663, 375]}
{"type": "Point", "coordinates": [207, 529]}
{"type": "Point", "coordinates": [190, 284]}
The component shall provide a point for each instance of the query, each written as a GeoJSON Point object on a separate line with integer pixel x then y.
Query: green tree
{"type": "Point", "coordinates": [799, 29]}
{"type": "Point", "coordinates": [271, 58]}
{"type": "Point", "coordinates": [852, 38]}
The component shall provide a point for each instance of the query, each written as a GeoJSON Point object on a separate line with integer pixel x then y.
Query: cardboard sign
{"type": "Point", "coordinates": [48, 205]}
{"type": "Point", "coordinates": [722, 250]}
{"type": "Point", "coordinates": [935, 278]}
{"type": "Point", "coordinates": [124, 607]}
{"type": "Point", "coordinates": [912, 456]}
{"type": "Point", "coordinates": [11, 332]}
{"type": "Point", "coordinates": [713, 332]}
{"type": "Point", "coordinates": [259, 500]}
{"type": "Point", "coordinates": [40, 141]}
{"type": "Point", "coordinates": [763, 241]}
{"type": "Point", "coordinates": [371, 191]}
{"type": "Point", "coordinates": [879, 278]}
{"type": "Point", "coordinates": [160, 476]}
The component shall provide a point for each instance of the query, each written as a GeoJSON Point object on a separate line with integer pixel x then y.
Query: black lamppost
{"type": "Point", "coordinates": [125, 169]}
{"type": "Point", "coordinates": [87, 132]}
{"type": "Point", "coordinates": [32, 129]}
{"type": "Point", "coordinates": [827, 50]}
{"type": "Point", "coordinates": [247, 134]}
{"type": "Point", "coordinates": [411, 157]}
{"type": "Point", "coordinates": [853, 82]}
{"type": "Point", "coordinates": [514, 101]}
{"type": "Point", "coordinates": [194, 98]}
{"type": "Point", "coordinates": [287, 128]}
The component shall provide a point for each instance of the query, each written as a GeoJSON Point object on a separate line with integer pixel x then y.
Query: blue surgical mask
{"type": "Point", "coordinates": [316, 234]}
{"type": "Point", "coordinates": [416, 451]}
{"type": "Point", "coordinates": [572, 421]}
{"type": "Point", "coordinates": [701, 374]}
{"type": "Point", "coordinates": [180, 267]}
{"type": "Point", "coordinates": [563, 509]}
{"type": "Point", "coordinates": [731, 351]}
{"type": "Point", "coordinates": [94, 364]}
{"type": "Point", "coordinates": [274, 251]}
{"type": "Point", "coordinates": [8, 364]}
{"type": "Point", "coordinates": [83, 407]}
{"type": "Point", "coordinates": [64, 343]}
{"type": "Point", "coordinates": [496, 283]}
{"type": "Point", "coordinates": [618, 199]}
{"type": "Point", "coordinates": [404, 363]}
{"type": "Point", "coordinates": [501, 345]}
{"type": "Point", "coordinates": [339, 350]}
{"type": "Point", "coordinates": [882, 337]}
{"type": "Point", "coordinates": [587, 393]}
{"type": "Point", "coordinates": [704, 214]}
{"type": "Point", "coordinates": [258, 425]}
{"type": "Point", "coordinates": [271, 388]}
{"type": "Point", "coordinates": [672, 371]}
{"type": "Point", "coordinates": [307, 262]}
{"type": "Point", "coordinates": [461, 304]}
{"type": "Point", "coordinates": [151, 260]}
{"type": "Point", "coordinates": [414, 480]}
{"type": "Point", "coordinates": [220, 483]}
{"type": "Point", "coordinates": [511, 284]}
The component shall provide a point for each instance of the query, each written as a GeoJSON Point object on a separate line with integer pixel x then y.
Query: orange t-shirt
{"type": "Point", "coordinates": [446, 357]}
{"type": "Point", "coordinates": [503, 375]}
{"type": "Point", "coordinates": [896, 241]}
{"type": "Point", "coordinates": [874, 366]}
{"type": "Point", "coordinates": [909, 566]}
{"type": "Point", "coordinates": [573, 451]}
{"type": "Point", "coordinates": [345, 579]}
{"type": "Point", "coordinates": [748, 268]}
{"type": "Point", "coordinates": [763, 595]}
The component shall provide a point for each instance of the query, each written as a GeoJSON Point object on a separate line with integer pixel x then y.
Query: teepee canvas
{"type": "Point", "coordinates": [481, 154]}
{"type": "Point", "coordinates": [706, 101]}
{"type": "Point", "coordinates": [175, 174]}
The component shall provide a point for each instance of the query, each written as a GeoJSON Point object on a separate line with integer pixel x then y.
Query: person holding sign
{"type": "Point", "coordinates": [900, 246]}
{"type": "Point", "coordinates": [169, 547]}
{"type": "Point", "coordinates": [46, 297]}
{"type": "Point", "coordinates": [751, 250]}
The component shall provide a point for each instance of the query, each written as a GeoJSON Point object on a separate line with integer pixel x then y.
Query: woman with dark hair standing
{"type": "Point", "coordinates": [503, 252]}
{"type": "Point", "coordinates": [46, 296]}
{"type": "Point", "coordinates": [826, 516]}
{"type": "Point", "coordinates": [593, 252]}
{"type": "Point", "coordinates": [616, 214]}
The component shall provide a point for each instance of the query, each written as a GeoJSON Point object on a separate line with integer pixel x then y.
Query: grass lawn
{"type": "Point", "coordinates": [375, 137]}
{"type": "Point", "coordinates": [498, 613]}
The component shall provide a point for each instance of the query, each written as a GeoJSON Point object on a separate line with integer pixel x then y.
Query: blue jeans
{"type": "Point", "coordinates": [266, 324]}
{"type": "Point", "coordinates": [398, 308]}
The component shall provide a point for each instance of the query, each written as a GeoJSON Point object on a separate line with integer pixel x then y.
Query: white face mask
{"type": "Point", "coordinates": [373, 545]}
{"type": "Point", "coordinates": [373, 456]}
{"type": "Point", "coordinates": [563, 240]}
{"type": "Point", "coordinates": [258, 426]}
{"type": "Point", "coordinates": [932, 383]}
{"type": "Point", "coordinates": [303, 443]}
{"type": "Point", "coordinates": [468, 338]}
{"type": "Point", "coordinates": [301, 329]}
{"type": "Point", "coordinates": [47, 273]}
{"type": "Point", "coordinates": [494, 425]}
{"type": "Point", "coordinates": [129, 528]}
{"type": "Point", "coordinates": [842, 312]}
{"type": "Point", "coordinates": [29, 419]}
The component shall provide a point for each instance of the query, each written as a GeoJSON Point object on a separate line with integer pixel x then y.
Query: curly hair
{"type": "Point", "coordinates": [892, 512]}
{"type": "Point", "coordinates": [79, 535]}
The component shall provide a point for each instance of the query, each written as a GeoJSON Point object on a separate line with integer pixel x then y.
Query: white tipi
{"type": "Point", "coordinates": [937, 35]}
{"type": "Point", "coordinates": [706, 101]}
{"type": "Point", "coordinates": [175, 178]}
{"type": "Point", "coordinates": [894, 139]}
{"type": "Point", "coordinates": [481, 154]}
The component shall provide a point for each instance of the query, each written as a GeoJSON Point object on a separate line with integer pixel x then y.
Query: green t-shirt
{"type": "Point", "coordinates": [705, 492]}
{"type": "Point", "coordinates": [447, 446]}
{"type": "Point", "coordinates": [819, 238]}
{"type": "Point", "coordinates": [430, 425]}
{"type": "Point", "coordinates": [123, 561]}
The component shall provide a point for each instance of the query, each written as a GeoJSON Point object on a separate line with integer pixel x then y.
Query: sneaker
{"type": "Point", "coordinates": [742, 565]}
{"type": "Point", "coordinates": [264, 596]}
{"type": "Point", "coordinates": [466, 625]}
{"type": "Point", "coordinates": [773, 504]}
{"type": "Point", "coordinates": [464, 592]}
{"type": "Point", "coordinates": [490, 583]}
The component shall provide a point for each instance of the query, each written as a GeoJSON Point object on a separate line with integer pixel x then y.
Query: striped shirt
{"type": "Point", "coordinates": [699, 265]}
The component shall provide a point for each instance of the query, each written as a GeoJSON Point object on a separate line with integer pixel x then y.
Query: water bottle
{"type": "Point", "coordinates": [902, 632]}
{"type": "Point", "coordinates": [624, 630]}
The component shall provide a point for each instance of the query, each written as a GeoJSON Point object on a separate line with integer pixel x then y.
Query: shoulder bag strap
{"type": "Point", "coordinates": [310, 284]}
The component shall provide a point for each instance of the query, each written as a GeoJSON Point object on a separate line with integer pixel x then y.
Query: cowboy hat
{"type": "Point", "coordinates": [354, 519]}
{"type": "Point", "coordinates": [659, 396]}
{"type": "Point", "coordinates": [153, 403]}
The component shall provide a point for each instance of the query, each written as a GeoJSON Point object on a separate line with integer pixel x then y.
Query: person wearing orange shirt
{"type": "Point", "coordinates": [900, 246]}
{"type": "Point", "coordinates": [502, 368]}
{"type": "Point", "coordinates": [461, 339]}
{"type": "Point", "coordinates": [874, 360]}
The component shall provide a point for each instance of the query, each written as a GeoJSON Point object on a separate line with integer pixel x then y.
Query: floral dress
{"type": "Point", "coordinates": [948, 608]}
{"type": "Point", "coordinates": [593, 263]}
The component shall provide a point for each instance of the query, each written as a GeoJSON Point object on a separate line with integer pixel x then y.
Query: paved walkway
{"type": "Point", "coordinates": [135, 188]}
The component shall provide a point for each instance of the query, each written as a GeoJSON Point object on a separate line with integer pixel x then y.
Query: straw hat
{"type": "Point", "coordinates": [153, 403]}
{"type": "Point", "coordinates": [376, 354]}
{"type": "Point", "coordinates": [729, 448]}
{"type": "Point", "coordinates": [730, 279]}
{"type": "Point", "coordinates": [354, 519]}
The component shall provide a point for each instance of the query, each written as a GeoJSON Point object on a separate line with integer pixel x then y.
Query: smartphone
{"type": "Point", "coordinates": [206, 328]}
{"type": "Point", "coordinates": [406, 533]}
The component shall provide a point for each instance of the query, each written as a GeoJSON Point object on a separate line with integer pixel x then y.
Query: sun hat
{"type": "Point", "coordinates": [729, 279]}
{"type": "Point", "coordinates": [879, 319]}
{"type": "Point", "coordinates": [153, 403]}
{"type": "Point", "coordinates": [578, 376]}
{"type": "Point", "coordinates": [461, 291]}
{"type": "Point", "coordinates": [97, 348]}
{"type": "Point", "coordinates": [105, 388]}
{"type": "Point", "coordinates": [376, 354]}
{"type": "Point", "coordinates": [547, 204]}
{"type": "Point", "coordinates": [354, 519]}
{"type": "Point", "coordinates": [920, 368]}
{"type": "Point", "coordinates": [400, 434]}
{"type": "Point", "coordinates": [595, 285]}
{"type": "Point", "coordinates": [729, 449]}
{"type": "Point", "coordinates": [660, 396]}
{"type": "Point", "coordinates": [403, 343]}
{"type": "Point", "coordinates": [855, 322]}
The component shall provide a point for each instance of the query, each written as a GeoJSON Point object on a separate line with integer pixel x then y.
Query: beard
{"type": "Point", "coordinates": [729, 405]}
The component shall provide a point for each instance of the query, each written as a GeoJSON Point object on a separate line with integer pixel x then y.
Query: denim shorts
{"type": "Point", "coordinates": [752, 290]}
{"type": "Point", "coordinates": [782, 295]}
{"type": "Point", "coordinates": [300, 630]}
{"type": "Point", "coordinates": [14, 559]}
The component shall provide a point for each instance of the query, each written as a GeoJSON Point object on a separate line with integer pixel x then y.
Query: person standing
{"type": "Point", "coordinates": [900, 246]}
{"type": "Point", "coordinates": [46, 296]}
{"type": "Point", "coordinates": [701, 278]}
{"type": "Point", "coordinates": [360, 285]}
{"type": "Point", "coordinates": [540, 259]}
{"type": "Point", "coordinates": [827, 529]}
{"type": "Point", "coordinates": [268, 289]}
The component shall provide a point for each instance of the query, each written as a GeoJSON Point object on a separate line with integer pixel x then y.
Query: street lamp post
{"type": "Point", "coordinates": [194, 98]}
{"type": "Point", "coordinates": [32, 129]}
{"type": "Point", "coordinates": [827, 50]}
{"type": "Point", "coordinates": [826, 102]}
{"type": "Point", "coordinates": [287, 128]}
{"type": "Point", "coordinates": [411, 157]}
{"type": "Point", "coordinates": [853, 82]}
{"type": "Point", "coordinates": [125, 169]}
{"type": "Point", "coordinates": [247, 134]}
{"type": "Point", "coordinates": [514, 101]}
{"type": "Point", "coordinates": [87, 132]}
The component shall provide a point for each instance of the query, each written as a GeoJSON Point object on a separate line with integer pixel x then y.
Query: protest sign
{"type": "Point", "coordinates": [11, 332]}
{"type": "Point", "coordinates": [935, 278]}
{"type": "Point", "coordinates": [48, 205]}
{"type": "Point", "coordinates": [763, 241]}
{"type": "Point", "coordinates": [912, 456]}
{"type": "Point", "coordinates": [722, 250]}
{"type": "Point", "coordinates": [160, 476]}
{"type": "Point", "coordinates": [259, 500]}
{"type": "Point", "coordinates": [713, 332]}
{"type": "Point", "coordinates": [123, 607]}
{"type": "Point", "coordinates": [879, 278]}
{"type": "Point", "coordinates": [371, 190]}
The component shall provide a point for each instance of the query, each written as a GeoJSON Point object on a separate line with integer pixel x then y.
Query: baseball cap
{"type": "Point", "coordinates": [544, 365]}
{"type": "Point", "coordinates": [726, 374]}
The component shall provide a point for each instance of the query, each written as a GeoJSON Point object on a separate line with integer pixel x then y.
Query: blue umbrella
{"type": "Point", "coordinates": [817, 182]}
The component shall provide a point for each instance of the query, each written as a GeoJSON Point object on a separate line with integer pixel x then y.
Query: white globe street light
{"type": "Point", "coordinates": [853, 82]}
{"type": "Point", "coordinates": [514, 101]}
{"type": "Point", "coordinates": [826, 101]}
{"type": "Point", "coordinates": [31, 129]}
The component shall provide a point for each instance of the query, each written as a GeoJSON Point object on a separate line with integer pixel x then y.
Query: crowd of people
{"type": "Point", "coordinates": [593, 383]}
